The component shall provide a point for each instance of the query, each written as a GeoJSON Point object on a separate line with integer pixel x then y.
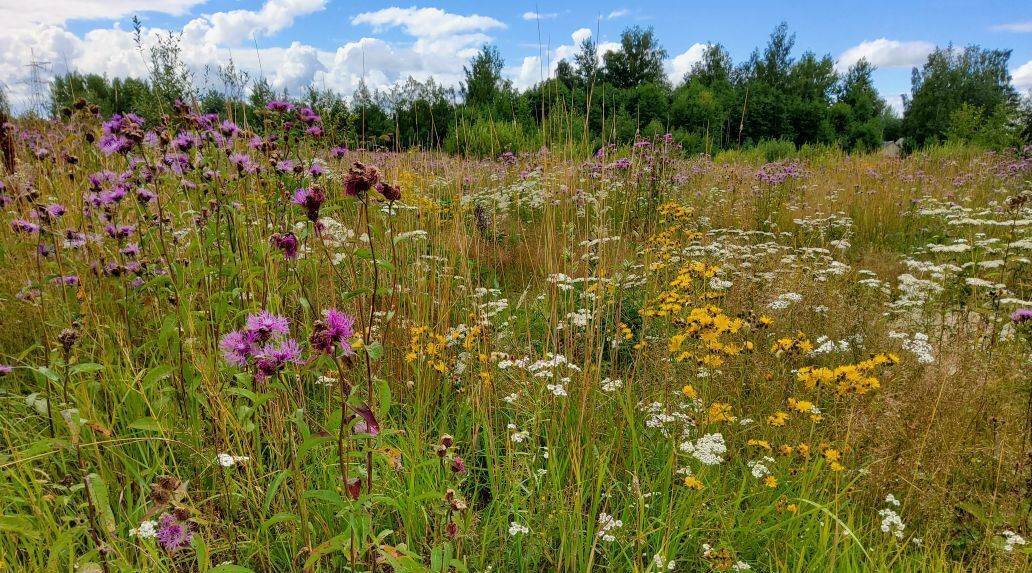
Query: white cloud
{"type": "Point", "coordinates": [26, 14]}
{"type": "Point", "coordinates": [540, 15]}
{"type": "Point", "coordinates": [440, 44]}
{"type": "Point", "coordinates": [885, 53]}
{"type": "Point", "coordinates": [1019, 27]}
{"type": "Point", "coordinates": [680, 65]}
{"type": "Point", "coordinates": [1022, 77]}
{"type": "Point", "coordinates": [426, 22]}
{"type": "Point", "coordinates": [618, 14]}
{"type": "Point", "coordinates": [233, 27]}
{"type": "Point", "coordinates": [580, 35]}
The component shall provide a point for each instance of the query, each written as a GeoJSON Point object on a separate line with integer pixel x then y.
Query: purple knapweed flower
{"type": "Point", "coordinates": [264, 325]}
{"type": "Point", "coordinates": [1021, 316]}
{"type": "Point", "coordinates": [336, 329]}
{"type": "Point", "coordinates": [274, 356]}
{"type": "Point", "coordinates": [23, 226]}
{"type": "Point", "coordinates": [173, 534]}
{"type": "Point", "coordinates": [237, 348]}
{"type": "Point", "coordinates": [279, 106]}
{"type": "Point", "coordinates": [311, 199]}
{"type": "Point", "coordinates": [144, 195]}
{"type": "Point", "coordinates": [286, 243]}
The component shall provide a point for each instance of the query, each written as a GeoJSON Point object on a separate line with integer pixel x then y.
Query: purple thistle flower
{"type": "Point", "coordinates": [236, 348]}
{"type": "Point", "coordinates": [173, 534]}
{"type": "Point", "coordinates": [243, 163]}
{"type": "Point", "coordinates": [286, 243]}
{"type": "Point", "coordinates": [1021, 316]}
{"type": "Point", "coordinates": [276, 355]}
{"type": "Point", "coordinates": [279, 106]}
{"type": "Point", "coordinates": [5, 370]}
{"type": "Point", "coordinates": [335, 329]}
{"type": "Point", "coordinates": [264, 325]}
{"type": "Point", "coordinates": [23, 226]}
{"type": "Point", "coordinates": [144, 195]}
{"type": "Point", "coordinates": [338, 152]}
{"type": "Point", "coordinates": [185, 141]}
{"type": "Point", "coordinates": [309, 116]}
{"type": "Point", "coordinates": [311, 199]}
{"type": "Point", "coordinates": [111, 144]}
{"type": "Point", "coordinates": [285, 166]}
{"type": "Point", "coordinates": [54, 211]}
{"type": "Point", "coordinates": [70, 280]}
{"type": "Point", "coordinates": [228, 128]}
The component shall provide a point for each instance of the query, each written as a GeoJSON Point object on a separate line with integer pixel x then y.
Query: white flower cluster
{"type": "Point", "coordinates": [1011, 540]}
{"type": "Point", "coordinates": [517, 529]}
{"type": "Point", "coordinates": [607, 526]}
{"type": "Point", "coordinates": [891, 522]}
{"type": "Point", "coordinates": [785, 300]}
{"type": "Point", "coordinates": [517, 437]}
{"type": "Point", "coordinates": [611, 385]}
{"type": "Point", "coordinates": [759, 467]}
{"type": "Point", "coordinates": [709, 449]}
{"type": "Point", "coordinates": [228, 461]}
{"type": "Point", "coordinates": [147, 530]}
{"type": "Point", "coordinates": [661, 563]}
{"type": "Point", "coordinates": [741, 566]}
{"type": "Point", "coordinates": [917, 345]}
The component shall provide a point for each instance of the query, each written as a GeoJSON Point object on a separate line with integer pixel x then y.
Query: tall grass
{"type": "Point", "coordinates": [515, 350]}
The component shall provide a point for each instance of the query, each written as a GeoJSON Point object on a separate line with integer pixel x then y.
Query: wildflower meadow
{"type": "Point", "coordinates": [229, 343]}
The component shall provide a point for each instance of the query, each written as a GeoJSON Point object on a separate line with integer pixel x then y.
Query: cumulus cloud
{"type": "Point", "coordinates": [580, 35]}
{"type": "Point", "coordinates": [885, 53]}
{"type": "Point", "coordinates": [540, 15]}
{"type": "Point", "coordinates": [440, 44]}
{"type": "Point", "coordinates": [530, 70]}
{"type": "Point", "coordinates": [235, 26]}
{"type": "Point", "coordinates": [425, 22]}
{"type": "Point", "coordinates": [682, 63]}
{"type": "Point", "coordinates": [1022, 77]}
{"type": "Point", "coordinates": [1019, 27]}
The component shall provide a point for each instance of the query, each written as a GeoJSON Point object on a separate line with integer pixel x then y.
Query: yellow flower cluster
{"type": "Point", "coordinates": [799, 344]}
{"type": "Point", "coordinates": [708, 325]}
{"type": "Point", "coordinates": [846, 379]}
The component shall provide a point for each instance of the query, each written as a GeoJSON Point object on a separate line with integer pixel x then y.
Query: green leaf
{"type": "Point", "coordinates": [99, 494]}
{"type": "Point", "coordinates": [71, 418]}
{"type": "Point", "coordinates": [47, 372]}
{"type": "Point", "coordinates": [20, 525]}
{"type": "Point", "coordinates": [156, 374]}
{"type": "Point", "coordinates": [280, 518]}
{"type": "Point", "coordinates": [309, 444]}
{"type": "Point", "coordinates": [147, 424]}
{"type": "Point", "coordinates": [203, 558]}
{"type": "Point", "coordinates": [374, 350]}
{"type": "Point", "coordinates": [336, 543]}
{"type": "Point", "coordinates": [85, 368]}
{"type": "Point", "coordinates": [231, 568]}
{"type": "Point", "coordinates": [383, 397]}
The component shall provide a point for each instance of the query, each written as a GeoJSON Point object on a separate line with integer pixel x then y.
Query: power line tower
{"type": "Point", "coordinates": [39, 85]}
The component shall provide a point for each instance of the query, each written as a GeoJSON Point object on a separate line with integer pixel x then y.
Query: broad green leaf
{"type": "Point", "coordinates": [99, 494]}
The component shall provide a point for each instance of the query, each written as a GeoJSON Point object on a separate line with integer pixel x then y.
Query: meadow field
{"type": "Point", "coordinates": [223, 351]}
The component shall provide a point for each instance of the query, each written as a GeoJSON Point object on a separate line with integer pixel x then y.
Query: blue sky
{"type": "Point", "coordinates": [325, 42]}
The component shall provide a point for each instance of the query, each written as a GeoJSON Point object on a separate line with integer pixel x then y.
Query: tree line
{"type": "Point", "coordinates": [960, 95]}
